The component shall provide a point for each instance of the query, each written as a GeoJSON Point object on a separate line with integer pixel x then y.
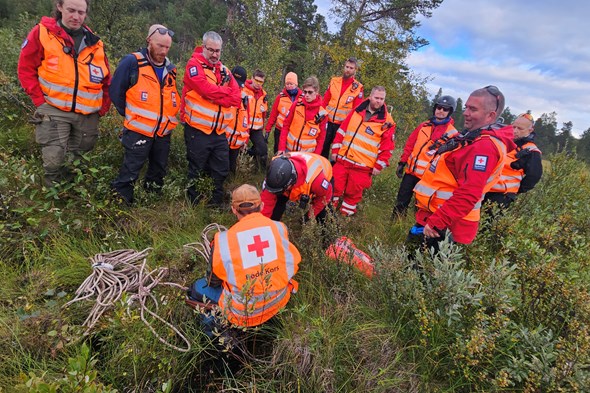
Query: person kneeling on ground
{"type": "Point", "coordinates": [251, 269]}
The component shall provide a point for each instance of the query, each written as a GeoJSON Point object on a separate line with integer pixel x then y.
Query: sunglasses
{"type": "Point", "coordinates": [309, 92]}
{"type": "Point", "coordinates": [442, 108]}
{"type": "Point", "coordinates": [493, 90]}
{"type": "Point", "coordinates": [259, 81]}
{"type": "Point", "coordinates": [528, 116]}
{"type": "Point", "coordinates": [162, 30]}
{"type": "Point", "coordinates": [211, 50]}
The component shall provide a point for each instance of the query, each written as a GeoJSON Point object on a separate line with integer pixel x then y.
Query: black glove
{"type": "Point", "coordinates": [245, 102]}
{"type": "Point", "coordinates": [400, 170]}
{"type": "Point", "coordinates": [266, 135]}
{"type": "Point", "coordinates": [318, 118]}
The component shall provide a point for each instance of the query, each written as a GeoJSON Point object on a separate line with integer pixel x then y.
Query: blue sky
{"type": "Point", "coordinates": [537, 53]}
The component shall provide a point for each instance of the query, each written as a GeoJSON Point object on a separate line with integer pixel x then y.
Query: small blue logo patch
{"type": "Point", "coordinates": [193, 71]}
{"type": "Point", "coordinates": [95, 72]}
{"type": "Point", "coordinates": [369, 131]}
{"type": "Point", "coordinates": [325, 184]}
{"type": "Point", "coordinates": [144, 96]}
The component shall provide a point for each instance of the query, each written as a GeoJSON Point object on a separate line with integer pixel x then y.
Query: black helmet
{"type": "Point", "coordinates": [281, 175]}
{"type": "Point", "coordinates": [447, 102]}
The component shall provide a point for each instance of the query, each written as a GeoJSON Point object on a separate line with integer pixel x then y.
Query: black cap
{"type": "Point", "coordinates": [240, 74]}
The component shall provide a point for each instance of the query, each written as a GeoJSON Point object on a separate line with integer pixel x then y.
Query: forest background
{"type": "Point", "coordinates": [508, 313]}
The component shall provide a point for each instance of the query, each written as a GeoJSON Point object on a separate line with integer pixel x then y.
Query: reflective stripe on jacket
{"type": "Point", "coordinates": [510, 178]}
{"type": "Point", "coordinates": [341, 104]}
{"type": "Point", "coordinates": [302, 135]}
{"type": "Point", "coordinates": [257, 108]}
{"type": "Point", "coordinates": [362, 139]}
{"type": "Point", "coordinates": [237, 131]}
{"type": "Point", "coordinates": [438, 183]}
{"type": "Point", "coordinates": [256, 262]}
{"type": "Point", "coordinates": [151, 107]}
{"type": "Point", "coordinates": [204, 115]}
{"type": "Point", "coordinates": [316, 165]}
{"type": "Point", "coordinates": [419, 158]}
{"type": "Point", "coordinates": [72, 84]}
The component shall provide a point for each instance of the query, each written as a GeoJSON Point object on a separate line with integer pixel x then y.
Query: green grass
{"type": "Point", "coordinates": [510, 312]}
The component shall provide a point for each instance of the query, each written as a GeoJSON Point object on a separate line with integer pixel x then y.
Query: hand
{"type": "Point", "coordinates": [280, 153]}
{"type": "Point", "coordinates": [430, 232]}
{"type": "Point", "coordinates": [333, 158]}
{"type": "Point", "coordinates": [266, 135]}
{"type": "Point", "coordinates": [245, 102]}
{"type": "Point", "coordinates": [400, 170]}
{"type": "Point", "coordinates": [375, 171]}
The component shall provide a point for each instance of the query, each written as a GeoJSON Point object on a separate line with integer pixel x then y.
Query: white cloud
{"type": "Point", "coordinates": [536, 53]}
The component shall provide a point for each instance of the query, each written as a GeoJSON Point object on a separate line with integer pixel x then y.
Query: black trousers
{"type": "Point", "coordinates": [260, 147]}
{"type": "Point", "coordinates": [138, 149]}
{"type": "Point", "coordinates": [331, 130]}
{"type": "Point", "coordinates": [277, 138]}
{"type": "Point", "coordinates": [405, 193]}
{"type": "Point", "coordinates": [206, 154]}
{"type": "Point", "coordinates": [233, 159]}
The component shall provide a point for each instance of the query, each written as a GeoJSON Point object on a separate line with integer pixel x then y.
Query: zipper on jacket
{"type": "Point", "coordinates": [76, 81]}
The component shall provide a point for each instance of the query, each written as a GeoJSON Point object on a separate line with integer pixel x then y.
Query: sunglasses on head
{"type": "Point", "coordinates": [442, 108]}
{"type": "Point", "coordinates": [163, 31]}
{"type": "Point", "coordinates": [310, 92]}
{"type": "Point", "coordinates": [493, 90]}
{"type": "Point", "coordinates": [528, 116]}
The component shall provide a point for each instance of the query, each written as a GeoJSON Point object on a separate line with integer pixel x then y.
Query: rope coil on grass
{"type": "Point", "coordinates": [124, 271]}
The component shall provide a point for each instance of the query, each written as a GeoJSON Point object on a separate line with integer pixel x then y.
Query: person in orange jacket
{"type": "Point", "coordinates": [281, 106]}
{"type": "Point", "coordinates": [462, 170]}
{"type": "Point", "coordinates": [252, 266]}
{"type": "Point", "coordinates": [361, 149]}
{"type": "Point", "coordinates": [144, 91]}
{"type": "Point", "coordinates": [63, 68]}
{"type": "Point", "coordinates": [419, 147]}
{"type": "Point", "coordinates": [523, 167]}
{"type": "Point", "coordinates": [208, 95]}
{"type": "Point", "coordinates": [343, 95]}
{"type": "Point", "coordinates": [304, 128]}
{"type": "Point", "coordinates": [257, 108]}
{"type": "Point", "coordinates": [301, 178]}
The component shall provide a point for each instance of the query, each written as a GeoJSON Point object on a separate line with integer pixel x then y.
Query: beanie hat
{"type": "Point", "coordinates": [240, 74]}
{"type": "Point", "coordinates": [291, 77]}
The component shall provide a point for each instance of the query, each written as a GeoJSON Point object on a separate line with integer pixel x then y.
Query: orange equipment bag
{"type": "Point", "coordinates": [344, 250]}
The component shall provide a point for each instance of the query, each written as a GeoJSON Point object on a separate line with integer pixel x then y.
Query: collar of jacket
{"type": "Point", "coordinates": [440, 122]}
{"type": "Point", "coordinates": [381, 113]}
{"type": "Point", "coordinates": [528, 138]}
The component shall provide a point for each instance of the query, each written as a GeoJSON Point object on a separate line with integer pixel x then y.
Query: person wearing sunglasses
{"type": "Point", "coordinates": [523, 167]}
{"type": "Point", "coordinates": [144, 91]}
{"type": "Point", "coordinates": [461, 171]}
{"type": "Point", "coordinates": [304, 128]}
{"type": "Point", "coordinates": [63, 68]}
{"type": "Point", "coordinates": [343, 95]}
{"type": "Point", "coordinates": [209, 93]}
{"type": "Point", "coordinates": [280, 108]}
{"type": "Point", "coordinates": [258, 108]}
{"type": "Point", "coordinates": [416, 154]}
{"type": "Point", "coordinates": [361, 149]}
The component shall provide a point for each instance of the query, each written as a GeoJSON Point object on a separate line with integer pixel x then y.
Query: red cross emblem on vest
{"type": "Point", "coordinates": [258, 246]}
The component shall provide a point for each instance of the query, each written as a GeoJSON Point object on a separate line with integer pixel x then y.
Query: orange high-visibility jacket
{"type": "Point", "coordinates": [237, 131]}
{"type": "Point", "coordinates": [302, 135]}
{"type": "Point", "coordinates": [283, 109]}
{"type": "Point", "coordinates": [438, 185]}
{"type": "Point", "coordinates": [316, 165]}
{"type": "Point", "coordinates": [510, 178]}
{"type": "Point", "coordinates": [72, 85]}
{"type": "Point", "coordinates": [420, 158]}
{"type": "Point", "coordinates": [204, 115]}
{"type": "Point", "coordinates": [151, 108]}
{"type": "Point", "coordinates": [341, 104]}
{"type": "Point", "coordinates": [257, 108]}
{"type": "Point", "coordinates": [256, 262]}
{"type": "Point", "coordinates": [362, 140]}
